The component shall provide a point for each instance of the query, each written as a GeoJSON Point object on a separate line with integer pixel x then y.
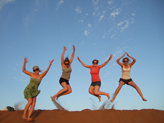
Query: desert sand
{"type": "Point", "coordinates": [86, 116]}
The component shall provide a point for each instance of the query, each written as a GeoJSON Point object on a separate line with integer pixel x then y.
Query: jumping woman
{"type": "Point", "coordinates": [96, 81]}
{"type": "Point", "coordinates": [125, 79]}
{"type": "Point", "coordinates": [64, 79]}
{"type": "Point", "coordinates": [31, 91]}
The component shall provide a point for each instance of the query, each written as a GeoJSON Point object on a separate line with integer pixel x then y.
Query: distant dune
{"type": "Point", "coordinates": [87, 116]}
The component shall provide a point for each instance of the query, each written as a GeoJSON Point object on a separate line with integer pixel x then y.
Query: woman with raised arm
{"type": "Point", "coordinates": [96, 81]}
{"type": "Point", "coordinates": [31, 91]}
{"type": "Point", "coordinates": [64, 79]}
{"type": "Point", "coordinates": [125, 79]}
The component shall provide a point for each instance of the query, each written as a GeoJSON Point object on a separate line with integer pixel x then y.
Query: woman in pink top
{"type": "Point", "coordinates": [125, 79]}
{"type": "Point", "coordinates": [96, 81]}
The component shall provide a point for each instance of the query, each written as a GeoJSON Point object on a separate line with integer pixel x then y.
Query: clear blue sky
{"type": "Point", "coordinates": [39, 29]}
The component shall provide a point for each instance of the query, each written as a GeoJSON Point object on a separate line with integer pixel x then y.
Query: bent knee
{"type": "Point", "coordinates": [90, 91]}
{"type": "Point", "coordinates": [96, 93]}
{"type": "Point", "coordinates": [65, 89]}
{"type": "Point", "coordinates": [70, 90]}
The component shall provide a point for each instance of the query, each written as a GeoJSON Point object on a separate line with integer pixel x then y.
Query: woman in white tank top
{"type": "Point", "coordinates": [125, 78]}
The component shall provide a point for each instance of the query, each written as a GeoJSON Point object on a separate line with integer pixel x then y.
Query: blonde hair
{"type": "Point", "coordinates": [36, 67]}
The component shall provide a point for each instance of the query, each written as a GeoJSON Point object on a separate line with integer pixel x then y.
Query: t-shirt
{"type": "Point", "coordinates": [95, 73]}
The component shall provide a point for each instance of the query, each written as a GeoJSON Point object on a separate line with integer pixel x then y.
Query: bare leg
{"type": "Point", "coordinates": [64, 85]}
{"type": "Point", "coordinates": [27, 107]}
{"type": "Point", "coordinates": [91, 91]}
{"type": "Point", "coordinates": [121, 83]}
{"type": "Point", "coordinates": [97, 92]}
{"type": "Point", "coordinates": [138, 89]}
{"type": "Point", "coordinates": [66, 92]}
{"type": "Point", "coordinates": [31, 109]}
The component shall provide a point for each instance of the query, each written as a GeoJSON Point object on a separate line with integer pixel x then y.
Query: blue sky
{"type": "Point", "coordinates": [39, 29]}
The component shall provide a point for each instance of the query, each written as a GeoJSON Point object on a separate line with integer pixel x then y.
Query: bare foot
{"type": "Point", "coordinates": [99, 97]}
{"type": "Point", "coordinates": [24, 117]}
{"type": "Point", "coordinates": [52, 98]}
{"type": "Point", "coordinates": [112, 100]}
{"type": "Point", "coordinates": [108, 96]}
{"type": "Point", "coordinates": [29, 119]}
{"type": "Point", "coordinates": [57, 97]}
{"type": "Point", "coordinates": [144, 99]}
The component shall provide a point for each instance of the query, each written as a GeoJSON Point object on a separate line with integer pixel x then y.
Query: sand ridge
{"type": "Point", "coordinates": [87, 116]}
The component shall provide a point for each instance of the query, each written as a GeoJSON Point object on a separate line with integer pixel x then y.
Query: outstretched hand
{"type": "Point", "coordinates": [127, 54]}
{"type": "Point", "coordinates": [51, 61]}
{"type": "Point", "coordinates": [25, 60]}
{"type": "Point", "coordinates": [124, 54]}
{"type": "Point", "coordinates": [78, 58]}
{"type": "Point", "coordinates": [65, 49]}
{"type": "Point", "coordinates": [74, 47]}
{"type": "Point", "coordinates": [110, 56]}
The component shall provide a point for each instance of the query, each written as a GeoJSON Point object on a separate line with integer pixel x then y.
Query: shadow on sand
{"type": "Point", "coordinates": [58, 105]}
{"type": "Point", "coordinates": [36, 113]}
{"type": "Point", "coordinates": [106, 105]}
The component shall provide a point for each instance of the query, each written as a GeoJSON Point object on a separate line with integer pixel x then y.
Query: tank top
{"type": "Point", "coordinates": [95, 73]}
{"type": "Point", "coordinates": [125, 73]}
{"type": "Point", "coordinates": [32, 89]}
{"type": "Point", "coordinates": [66, 73]}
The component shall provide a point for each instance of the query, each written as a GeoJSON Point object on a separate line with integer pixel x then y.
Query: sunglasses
{"type": "Point", "coordinates": [66, 63]}
{"type": "Point", "coordinates": [125, 61]}
{"type": "Point", "coordinates": [94, 62]}
{"type": "Point", "coordinates": [36, 69]}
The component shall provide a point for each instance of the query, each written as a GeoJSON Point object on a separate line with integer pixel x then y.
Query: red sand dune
{"type": "Point", "coordinates": [87, 116]}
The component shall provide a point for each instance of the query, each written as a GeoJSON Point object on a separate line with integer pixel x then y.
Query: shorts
{"type": "Point", "coordinates": [97, 83]}
{"type": "Point", "coordinates": [126, 81]}
{"type": "Point", "coordinates": [63, 80]}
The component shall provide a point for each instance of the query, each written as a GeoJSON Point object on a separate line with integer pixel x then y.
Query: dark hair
{"type": "Point", "coordinates": [95, 60]}
{"type": "Point", "coordinates": [126, 58]}
{"type": "Point", "coordinates": [66, 60]}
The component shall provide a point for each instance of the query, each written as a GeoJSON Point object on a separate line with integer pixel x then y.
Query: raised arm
{"type": "Point", "coordinates": [87, 66]}
{"type": "Point", "coordinates": [134, 60]}
{"type": "Point", "coordinates": [45, 72]}
{"type": "Point", "coordinates": [73, 54]}
{"type": "Point", "coordinates": [24, 68]}
{"type": "Point", "coordinates": [62, 57]}
{"type": "Point", "coordinates": [118, 60]}
{"type": "Point", "coordinates": [102, 65]}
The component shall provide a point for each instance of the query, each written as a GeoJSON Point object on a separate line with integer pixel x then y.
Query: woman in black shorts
{"type": "Point", "coordinates": [64, 79]}
{"type": "Point", "coordinates": [96, 81]}
{"type": "Point", "coordinates": [125, 79]}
